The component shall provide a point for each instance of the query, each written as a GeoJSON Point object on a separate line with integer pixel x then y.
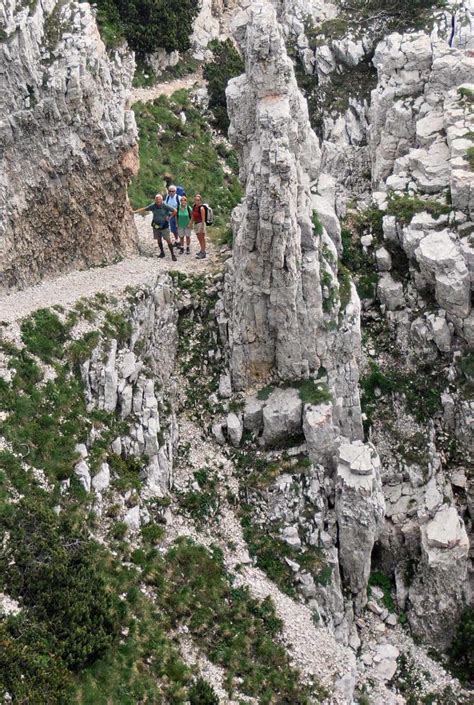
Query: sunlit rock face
{"type": "Point", "coordinates": [67, 141]}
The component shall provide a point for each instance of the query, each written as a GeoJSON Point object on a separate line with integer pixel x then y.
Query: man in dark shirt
{"type": "Point", "coordinates": [160, 223]}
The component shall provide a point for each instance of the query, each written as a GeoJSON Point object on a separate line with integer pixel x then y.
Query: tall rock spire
{"type": "Point", "coordinates": [286, 320]}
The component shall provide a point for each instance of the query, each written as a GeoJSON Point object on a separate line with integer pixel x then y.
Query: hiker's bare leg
{"type": "Point", "coordinates": [202, 240]}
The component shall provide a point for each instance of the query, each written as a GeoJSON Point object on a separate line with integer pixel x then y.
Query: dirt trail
{"type": "Point", "coordinates": [112, 279]}
{"type": "Point", "coordinates": [142, 268]}
{"type": "Point", "coordinates": [146, 94]}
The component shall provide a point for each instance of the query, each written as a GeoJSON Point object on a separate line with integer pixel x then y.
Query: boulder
{"type": "Point", "coordinates": [253, 414]}
{"type": "Point", "coordinates": [442, 264]}
{"type": "Point", "coordinates": [82, 472]}
{"type": "Point", "coordinates": [234, 428]}
{"type": "Point", "coordinates": [383, 259]}
{"type": "Point", "coordinates": [101, 480]}
{"type": "Point", "coordinates": [132, 519]}
{"type": "Point", "coordinates": [390, 292]}
{"type": "Point", "coordinates": [282, 416]}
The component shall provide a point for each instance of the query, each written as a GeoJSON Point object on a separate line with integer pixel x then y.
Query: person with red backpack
{"type": "Point", "coordinates": [199, 222]}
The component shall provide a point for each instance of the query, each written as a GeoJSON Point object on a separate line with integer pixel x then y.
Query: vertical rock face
{"type": "Point", "coordinates": [67, 142]}
{"type": "Point", "coordinates": [285, 316]}
{"type": "Point", "coordinates": [438, 594]}
{"type": "Point", "coordinates": [277, 292]}
{"type": "Point", "coordinates": [360, 509]}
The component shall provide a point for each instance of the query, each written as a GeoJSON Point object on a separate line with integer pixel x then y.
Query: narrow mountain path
{"type": "Point", "coordinates": [142, 268]}
{"type": "Point", "coordinates": [138, 270]}
{"type": "Point", "coordinates": [146, 94]}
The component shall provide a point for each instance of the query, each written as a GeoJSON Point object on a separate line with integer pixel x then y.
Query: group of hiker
{"type": "Point", "coordinates": [174, 221]}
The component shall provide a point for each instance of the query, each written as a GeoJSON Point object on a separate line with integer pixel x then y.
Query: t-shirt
{"type": "Point", "coordinates": [172, 201]}
{"type": "Point", "coordinates": [160, 213]}
{"type": "Point", "coordinates": [197, 214]}
{"type": "Point", "coordinates": [183, 217]}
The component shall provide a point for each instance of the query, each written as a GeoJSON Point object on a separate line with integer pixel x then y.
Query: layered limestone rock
{"type": "Point", "coordinates": [437, 596]}
{"type": "Point", "coordinates": [360, 509]}
{"type": "Point", "coordinates": [421, 120]}
{"type": "Point", "coordinates": [285, 318]}
{"type": "Point", "coordinates": [117, 381]}
{"type": "Point", "coordinates": [67, 140]}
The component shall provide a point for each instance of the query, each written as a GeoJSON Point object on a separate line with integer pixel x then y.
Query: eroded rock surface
{"type": "Point", "coordinates": [68, 143]}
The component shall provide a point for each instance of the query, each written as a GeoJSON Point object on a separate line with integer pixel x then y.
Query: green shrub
{"type": "Point", "coordinates": [29, 669]}
{"type": "Point", "coordinates": [55, 570]}
{"type": "Point", "coordinates": [470, 157]}
{"type": "Point", "coordinates": [313, 391]}
{"type": "Point", "coordinates": [147, 25]}
{"type": "Point", "coordinates": [202, 693]}
{"type": "Point", "coordinates": [317, 225]}
{"type": "Point", "coordinates": [264, 393]}
{"type": "Point", "coordinates": [379, 579]}
{"type": "Point", "coordinates": [404, 207]}
{"type": "Point", "coordinates": [226, 63]}
{"type": "Point", "coordinates": [236, 631]}
{"type": "Point", "coordinates": [461, 654]}
{"type": "Point", "coordinates": [44, 335]}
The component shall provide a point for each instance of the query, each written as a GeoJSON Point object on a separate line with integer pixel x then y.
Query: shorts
{"type": "Point", "coordinates": [185, 232]}
{"type": "Point", "coordinates": [200, 228]}
{"type": "Point", "coordinates": [173, 225]}
{"type": "Point", "coordinates": [165, 234]}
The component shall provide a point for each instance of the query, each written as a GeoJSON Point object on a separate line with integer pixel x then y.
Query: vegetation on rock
{"type": "Point", "coordinates": [147, 25]}
{"type": "Point", "coordinates": [226, 63]}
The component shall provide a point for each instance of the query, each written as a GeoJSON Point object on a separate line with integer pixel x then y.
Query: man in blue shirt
{"type": "Point", "coordinates": [172, 199]}
{"type": "Point", "coordinates": [160, 223]}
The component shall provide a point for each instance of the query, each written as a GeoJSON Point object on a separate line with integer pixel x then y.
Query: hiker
{"type": "Point", "coordinates": [172, 199]}
{"type": "Point", "coordinates": [199, 222]}
{"type": "Point", "coordinates": [160, 223]}
{"type": "Point", "coordinates": [184, 218]}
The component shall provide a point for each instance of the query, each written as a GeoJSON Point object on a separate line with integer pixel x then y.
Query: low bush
{"type": "Point", "coordinates": [147, 25]}
{"type": "Point", "coordinates": [226, 64]}
{"type": "Point", "coordinates": [236, 631]}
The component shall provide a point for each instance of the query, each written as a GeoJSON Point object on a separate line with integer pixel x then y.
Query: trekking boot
{"type": "Point", "coordinates": [201, 255]}
{"type": "Point", "coordinates": [181, 250]}
{"type": "Point", "coordinates": [174, 258]}
{"type": "Point", "coordinates": [187, 250]}
{"type": "Point", "coordinates": [161, 255]}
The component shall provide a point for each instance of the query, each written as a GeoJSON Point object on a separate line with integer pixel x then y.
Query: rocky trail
{"type": "Point", "coordinates": [138, 270]}
{"type": "Point", "coordinates": [145, 95]}
{"type": "Point", "coordinates": [112, 279]}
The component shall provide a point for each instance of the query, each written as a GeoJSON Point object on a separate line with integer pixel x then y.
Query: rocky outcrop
{"type": "Point", "coordinates": [285, 318]}
{"type": "Point", "coordinates": [437, 596]}
{"type": "Point", "coordinates": [117, 381]}
{"type": "Point", "coordinates": [67, 140]}
{"type": "Point", "coordinates": [360, 509]}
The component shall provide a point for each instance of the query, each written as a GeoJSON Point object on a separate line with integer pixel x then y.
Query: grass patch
{"type": "Point", "coordinates": [271, 553]}
{"type": "Point", "coordinates": [382, 581]}
{"type": "Point", "coordinates": [470, 158]}
{"type": "Point", "coordinates": [313, 392]}
{"type": "Point", "coordinates": [236, 631]}
{"type": "Point", "coordinates": [421, 391]}
{"type": "Point", "coordinates": [203, 504]}
{"type": "Point", "coordinates": [405, 207]}
{"type": "Point", "coordinates": [185, 153]}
